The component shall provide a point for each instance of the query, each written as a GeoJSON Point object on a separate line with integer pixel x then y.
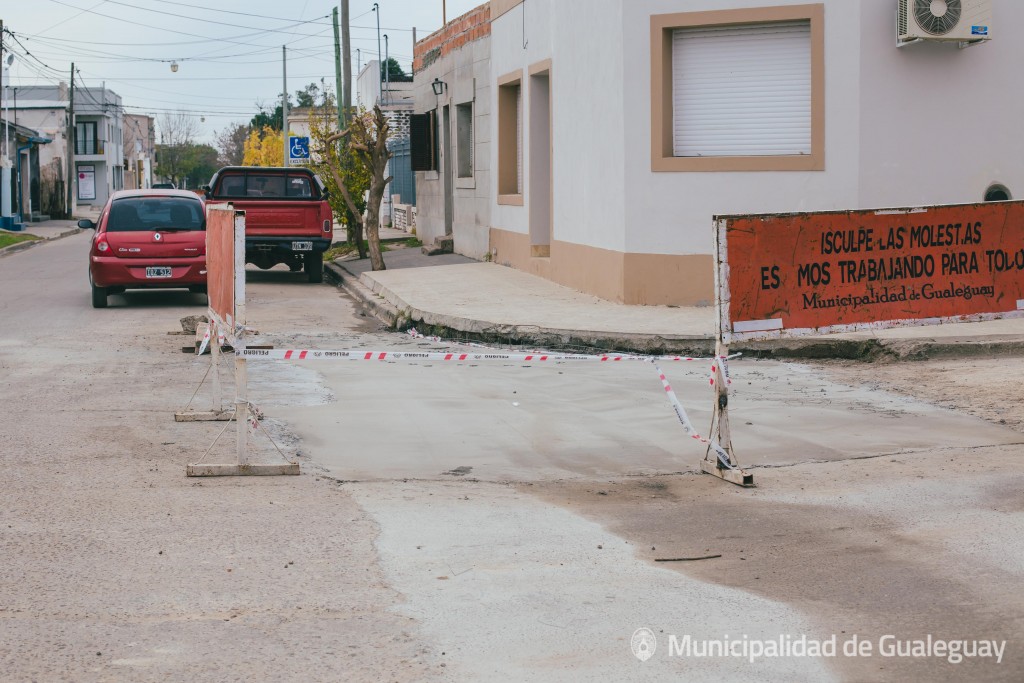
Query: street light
{"type": "Point", "coordinates": [174, 67]}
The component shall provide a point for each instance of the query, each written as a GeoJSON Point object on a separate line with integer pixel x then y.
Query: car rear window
{"type": "Point", "coordinates": [271, 185]}
{"type": "Point", "coordinates": [138, 214]}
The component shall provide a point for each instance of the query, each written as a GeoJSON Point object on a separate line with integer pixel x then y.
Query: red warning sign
{"type": "Point", "coordinates": [837, 271]}
{"type": "Point", "coordinates": [220, 263]}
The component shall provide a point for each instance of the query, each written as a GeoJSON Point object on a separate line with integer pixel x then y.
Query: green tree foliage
{"type": "Point", "coordinates": [365, 140]}
{"type": "Point", "coordinates": [323, 124]}
{"type": "Point", "coordinates": [269, 118]}
{"type": "Point", "coordinates": [308, 96]}
{"type": "Point", "coordinates": [203, 163]}
{"type": "Point", "coordinates": [394, 72]}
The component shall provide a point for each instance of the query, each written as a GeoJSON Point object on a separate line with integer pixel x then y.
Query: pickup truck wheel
{"type": "Point", "coordinates": [99, 296]}
{"type": "Point", "coordinates": [315, 266]}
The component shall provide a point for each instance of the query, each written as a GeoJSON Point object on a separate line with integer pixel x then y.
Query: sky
{"type": "Point", "coordinates": [228, 52]}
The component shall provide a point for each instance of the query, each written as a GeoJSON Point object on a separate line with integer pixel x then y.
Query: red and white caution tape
{"type": "Point", "coordinates": [537, 357]}
{"type": "Point", "coordinates": [684, 420]}
{"type": "Point", "coordinates": [416, 335]}
{"type": "Point", "coordinates": [725, 370]}
{"type": "Point", "coordinates": [205, 342]}
{"type": "Point", "coordinates": [356, 354]}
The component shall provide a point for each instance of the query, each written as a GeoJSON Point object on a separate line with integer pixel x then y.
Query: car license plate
{"type": "Point", "coordinates": [302, 246]}
{"type": "Point", "coordinates": [158, 271]}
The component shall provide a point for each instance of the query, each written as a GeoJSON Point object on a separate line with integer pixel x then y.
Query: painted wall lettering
{"type": "Point", "coordinates": [840, 270]}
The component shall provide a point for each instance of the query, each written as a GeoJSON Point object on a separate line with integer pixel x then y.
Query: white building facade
{"type": "Point", "coordinates": [614, 150]}
{"type": "Point", "coordinates": [454, 193]}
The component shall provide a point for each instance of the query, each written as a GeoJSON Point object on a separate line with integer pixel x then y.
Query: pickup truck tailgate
{"type": "Point", "coordinates": [281, 219]}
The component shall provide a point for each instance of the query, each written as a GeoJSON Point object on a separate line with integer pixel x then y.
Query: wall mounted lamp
{"type": "Point", "coordinates": [438, 85]}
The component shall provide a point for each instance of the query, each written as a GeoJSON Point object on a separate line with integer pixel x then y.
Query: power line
{"type": "Point", "coordinates": [29, 54]}
{"type": "Point", "coordinates": [207, 8]}
{"type": "Point", "coordinates": [184, 33]}
{"type": "Point", "coordinates": [64, 21]}
{"type": "Point", "coordinates": [173, 14]}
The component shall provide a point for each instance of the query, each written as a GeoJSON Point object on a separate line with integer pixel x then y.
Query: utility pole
{"type": "Point", "coordinates": [346, 52]}
{"type": "Point", "coordinates": [337, 69]}
{"type": "Point", "coordinates": [284, 102]}
{"type": "Point", "coordinates": [72, 171]}
{"type": "Point", "coordinates": [387, 72]}
{"type": "Point", "coordinates": [380, 86]}
{"type": "Point", "coordinates": [5, 163]}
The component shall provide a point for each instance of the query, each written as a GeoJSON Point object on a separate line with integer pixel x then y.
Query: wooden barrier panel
{"type": "Point", "coordinates": [795, 274]}
{"type": "Point", "coordinates": [220, 264]}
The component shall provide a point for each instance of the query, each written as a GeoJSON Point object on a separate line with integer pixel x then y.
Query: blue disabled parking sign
{"type": "Point", "coordinates": [298, 148]}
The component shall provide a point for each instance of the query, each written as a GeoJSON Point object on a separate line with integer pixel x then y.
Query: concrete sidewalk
{"type": "Point", "coordinates": [452, 295]}
{"type": "Point", "coordinates": [44, 230]}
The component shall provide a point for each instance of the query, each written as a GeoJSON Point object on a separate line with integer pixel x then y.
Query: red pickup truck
{"type": "Point", "coordinates": [287, 217]}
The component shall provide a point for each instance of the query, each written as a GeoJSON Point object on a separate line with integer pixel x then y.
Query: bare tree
{"type": "Point", "coordinates": [231, 144]}
{"type": "Point", "coordinates": [178, 128]}
{"type": "Point", "coordinates": [177, 134]}
{"type": "Point", "coordinates": [367, 141]}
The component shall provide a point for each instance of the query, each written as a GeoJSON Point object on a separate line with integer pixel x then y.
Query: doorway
{"type": "Point", "coordinates": [540, 164]}
{"type": "Point", "coordinates": [449, 184]}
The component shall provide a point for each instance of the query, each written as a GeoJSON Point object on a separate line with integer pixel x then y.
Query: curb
{"type": "Point", "coordinates": [28, 244]}
{"type": "Point", "coordinates": [398, 316]}
{"type": "Point", "coordinates": [367, 300]}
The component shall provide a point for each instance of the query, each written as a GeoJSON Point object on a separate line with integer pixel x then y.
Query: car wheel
{"type": "Point", "coordinates": [99, 296]}
{"type": "Point", "coordinates": [315, 266]}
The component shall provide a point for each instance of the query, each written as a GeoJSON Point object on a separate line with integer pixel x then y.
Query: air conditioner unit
{"type": "Point", "coordinates": [965, 21]}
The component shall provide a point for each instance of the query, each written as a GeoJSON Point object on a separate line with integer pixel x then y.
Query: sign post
{"type": "Point", "coordinates": [722, 463]}
{"type": "Point", "coordinates": [225, 262]}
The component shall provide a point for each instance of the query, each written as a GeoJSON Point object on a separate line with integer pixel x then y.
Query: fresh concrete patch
{"type": "Point", "coordinates": [511, 422]}
{"type": "Point", "coordinates": [510, 588]}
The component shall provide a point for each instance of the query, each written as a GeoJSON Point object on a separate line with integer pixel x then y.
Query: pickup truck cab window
{"type": "Point", "coordinates": [264, 184]}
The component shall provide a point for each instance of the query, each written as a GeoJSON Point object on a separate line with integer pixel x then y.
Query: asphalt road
{"type": "Point", "coordinates": [471, 523]}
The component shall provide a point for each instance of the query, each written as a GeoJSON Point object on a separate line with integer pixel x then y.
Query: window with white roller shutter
{"type": "Point", "coordinates": [742, 90]}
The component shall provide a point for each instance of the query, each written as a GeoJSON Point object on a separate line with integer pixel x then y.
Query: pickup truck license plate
{"type": "Point", "coordinates": [158, 271]}
{"type": "Point", "coordinates": [302, 246]}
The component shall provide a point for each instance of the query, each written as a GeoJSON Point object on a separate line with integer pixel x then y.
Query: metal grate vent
{"type": "Point", "coordinates": [901, 19]}
{"type": "Point", "coordinates": [937, 17]}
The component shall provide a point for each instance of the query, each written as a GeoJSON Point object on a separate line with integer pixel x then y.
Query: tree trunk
{"type": "Point", "coordinates": [354, 233]}
{"type": "Point", "coordinates": [372, 226]}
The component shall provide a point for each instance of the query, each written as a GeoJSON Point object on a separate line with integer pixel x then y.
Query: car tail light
{"type": "Point", "coordinates": [327, 226]}
{"type": "Point", "coordinates": [102, 246]}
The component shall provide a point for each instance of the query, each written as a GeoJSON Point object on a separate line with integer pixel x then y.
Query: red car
{"type": "Point", "coordinates": [148, 238]}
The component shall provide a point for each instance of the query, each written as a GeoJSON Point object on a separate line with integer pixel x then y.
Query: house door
{"type": "Point", "coordinates": [449, 189]}
{"type": "Point", "coordinates": [540, 164]}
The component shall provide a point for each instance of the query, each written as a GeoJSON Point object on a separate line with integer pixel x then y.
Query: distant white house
{"type": "Point", "coordinates": [97, 153]}
{"type": "Point", "coordinates": [139, 151]}
{"type": "Point", "coordinates": [619, 129]}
